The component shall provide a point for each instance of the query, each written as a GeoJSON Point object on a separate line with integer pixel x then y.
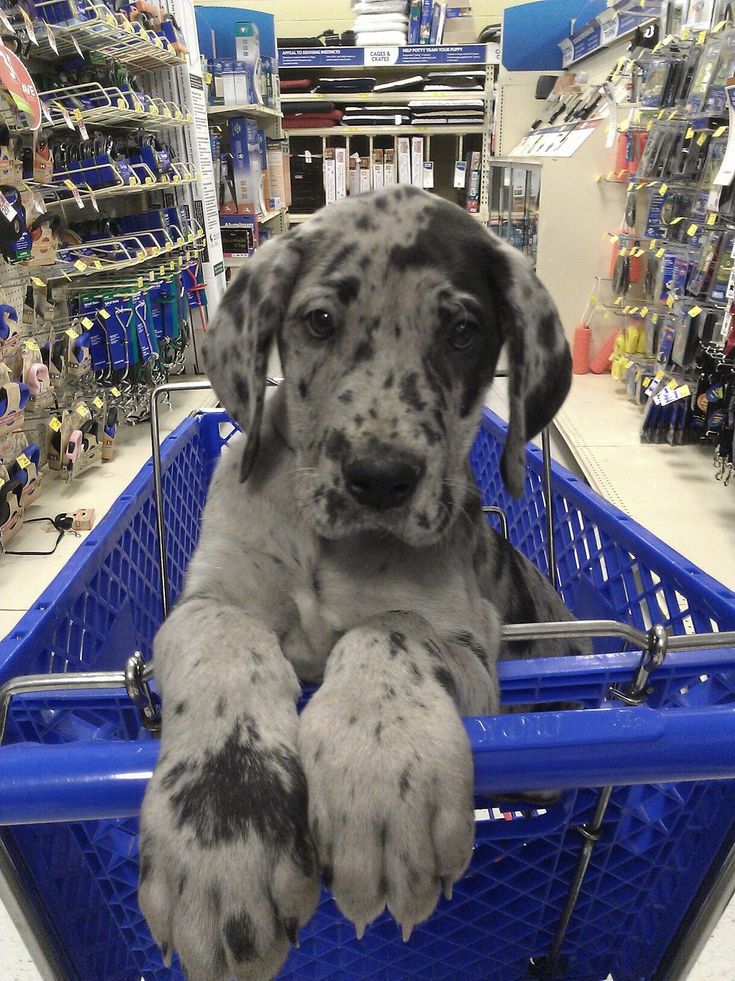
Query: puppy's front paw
{"type": "Point", "coordinates": [390, 799]}
{"type": "Point", "coordinates": [228, 871]}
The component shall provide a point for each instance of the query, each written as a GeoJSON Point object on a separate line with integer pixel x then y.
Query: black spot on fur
{"type": "Point", "coordinates": [422, 520]}
{"type": "Point", "coordinates": [221, 705]}
{"type": "Point", "coordinates": [174, 774]}
{"type": "Point", "coordinates": [335, 504]}
{"type": "Point", "coordinates": [347, 289]}
{"type": "Point", "coordinates": [380, 203]}
{"type": "Point", "coordinates": [446, 681]}
{"type": "Point", "coordinates": [244, 788]}
{"type": "Point", "coordinates": [379, 731]}
{"type": "Point", "coordinates": [303, 388]}
{"type": "Point", "coordinates": [182, 883]}
{"type": "Point", "coordinates": [346, 396]}
{"type": "Point", "coordinates": [352, 720]}
{"type": "Point", "coordinates": [389, 381]}
{"type": "Point", "coordinates": [467, 640]}
{"type": "Point", "coordinates": [397, 330]}
{"type": "Point", "coordinates": [396, 643]}
{"type": "Point", "coordinates": [242, 389]}
{"type": "Point", "coordinates": [431, 434]}
{"type": "Point", "coordinates": [328, 876]}
{"type": "Point", "coordinates": [404, 784]}
{"type": "Point", "coordinates": [146, 866]}
{"type": "Point", "coordinates": [365, 351]}
{"type": "Point", "coordinates": [416, 673]}
{"type": "Point", "coordinates": [365, 224]}
{"type": "Point", "coordinates": [359, 420]}
{"type": "Point", "coordinates": [339, 258]}
{"type": "Point", "coordinates": [180, 708]}
{"type": "Point", "coordinates": [337, 445]}
{"type": "Point", "coordinates": [409, 392]}
{"type": "Point", "coordinates": [240, 937]}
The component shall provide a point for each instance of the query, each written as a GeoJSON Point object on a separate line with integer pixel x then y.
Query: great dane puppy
{"type": "Point", "coordinates": [343, 543]}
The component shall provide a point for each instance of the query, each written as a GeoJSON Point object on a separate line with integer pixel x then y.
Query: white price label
{"type": "Point", "coordinates": [38, 203]}
{"type": "Point", "coordinates": [76, 46]}
{"type": "Point", "coordinates": [6, 208]}
{"type": "Point", "coordinates": [82, 129]}
{"type": "Point", "coordinates": [29, 27]}
{"type": "Point", "coordinates": [6, 23]}
{"type": "Point", "coordinates": [65, 114]}
{"type": "Point", "coordinates": [52, 40]}
{"type": "Point", "coordinates": [46, 112]}
{"type": "Point", "coordinates": [609, 30]}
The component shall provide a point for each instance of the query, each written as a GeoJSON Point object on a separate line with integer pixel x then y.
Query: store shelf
{"type": "Point", "coordinates": [256, 111]}
{"type": "Point", "coordinates": [236, 261]}
{"type": "Point", "coordinates": [64, 195]}
{"type": "Point", "coordinates": [270, 215]}
{"type": "Point", "coordinates": [621, 19]}
{"type": "Point", "coordinates": [665, 488]}
{"type": "Point", "coordinates": [92, 259]}
{"type": "Point", "coordinates": [97, 105]}
{"type": "Point", "coordinates": [386, 131]}
{"type": "Point", "coordinates": [94, 28]}
{"type": "Point", "coordinates": [295, 219]}
{"type": "Point", "coordinates": [388, 98]}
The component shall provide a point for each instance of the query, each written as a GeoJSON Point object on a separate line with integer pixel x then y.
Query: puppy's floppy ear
{"type": "Point", "coordinates": [240, 336]}
{"type": "Point", "coordinates": [540, 363]}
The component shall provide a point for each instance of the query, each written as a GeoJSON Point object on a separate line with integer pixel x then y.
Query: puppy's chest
{"type": "Point", "coordinates": [343, 592]}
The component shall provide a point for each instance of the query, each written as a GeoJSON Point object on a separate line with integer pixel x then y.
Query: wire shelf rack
{"type": "Point", "coordinates": [96, 29]}
{"type": "Point", "coordinates": [92, 104]}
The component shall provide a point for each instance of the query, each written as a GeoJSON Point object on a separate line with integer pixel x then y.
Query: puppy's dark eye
{"type": "Point", "coordinates": [462, 334]}
{"type": "Point", "coordinates": [320, 324]}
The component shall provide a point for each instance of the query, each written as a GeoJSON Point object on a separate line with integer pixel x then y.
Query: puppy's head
{"type": "Point", "coordinates": [390, 311]}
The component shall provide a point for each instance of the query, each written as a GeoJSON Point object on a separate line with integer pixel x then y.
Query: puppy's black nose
{"type": "Point", "coordinates": [383, 482]}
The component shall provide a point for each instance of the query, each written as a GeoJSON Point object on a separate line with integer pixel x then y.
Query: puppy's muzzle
{"type": "Point", "coordinates": [383, 482]}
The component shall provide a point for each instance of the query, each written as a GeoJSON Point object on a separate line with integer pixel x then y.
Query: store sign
{"type": "Point", "coordinates": [374, 57]}
{"type": "Point", "coordinates": [18, 85]}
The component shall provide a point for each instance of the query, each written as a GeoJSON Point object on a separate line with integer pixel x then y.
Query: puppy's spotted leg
{"type": "Point", "coordinates": [228, 871]}
{"type": "Point", "coordinates": [389, 767]}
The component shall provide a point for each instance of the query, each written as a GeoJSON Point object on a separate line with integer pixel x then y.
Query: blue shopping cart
{"type": "Point", "coordinates": [624, 876]}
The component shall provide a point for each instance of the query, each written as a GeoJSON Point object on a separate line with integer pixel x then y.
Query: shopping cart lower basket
{"type": "Point", "coordinates": [622, 876]}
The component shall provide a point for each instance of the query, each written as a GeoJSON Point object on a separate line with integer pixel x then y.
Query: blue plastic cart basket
{"type": "Point", "coordinates": [652, 867]}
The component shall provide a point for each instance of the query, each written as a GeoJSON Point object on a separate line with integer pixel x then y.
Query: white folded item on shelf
{"type": "Point", "coordinates": [379, 7]}
{"type": "Point", "coordinates": [366, 23]}
{"type": "Point", "coordinates": [388, 38]}
{"type": "Point", "coordinates": [401, 83]}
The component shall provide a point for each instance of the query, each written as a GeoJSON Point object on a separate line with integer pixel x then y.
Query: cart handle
{"type": "Point", "coordinates": [512, 753]}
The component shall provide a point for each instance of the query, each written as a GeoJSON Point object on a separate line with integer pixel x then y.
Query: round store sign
{"type": "Point", "coordinates": [18, 84]}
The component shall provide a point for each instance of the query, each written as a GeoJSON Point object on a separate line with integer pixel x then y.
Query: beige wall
{"type": "Point", "coordinates": [304, 18]}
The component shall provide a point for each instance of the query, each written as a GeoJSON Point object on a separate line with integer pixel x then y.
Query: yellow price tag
{"type": "Point", "coordinates": [97, 264]}
{"type": "Point", "coordinates": [626, 310]}
{"type": "Point", "coordinates": [684, 392]}
{"type": "Point", "coordinates": [701, 139]}
{"type": "Point", "coordinates": [134, 180]}
{"type": "Point", "coordinates": [150, 180]}
{"type": "Point", "coordinates": [711, 218]}
{"type": "Point", "coordinates": [37, 282]}
{"type": "Point", "coordinates": [644, 311]}
{"type": "Point", "coordinates": [153, 109]}
{"type": "Point", "coordinates": [23, 461]}
{"type": "Point", "coordinates": [701, 37]}
{"type": "Point", "coordinates": [98, 403]}
{"type": "Point", "coordinates": [81, 266]}
{"type": "Point", "coordinates": [660, 252]}
{"type": "Point", "coordinates": [675, 221]}
{"type": "Point", "coordinates": [719, 131]}
{"type": "Point", "coordinates": [694, 311]}
{"type": "Point", "coordinates": [663, 189]}
{"type": "Point", "coordinates": [654, 318]}
{"type": "Point", "coordinates": [115, 392]}
{"type": "Point", "coordinates": [720, 26]}
{"type": "Point", "coordinates": [692, 230]}
{"type": "Point", "coordinates": [689, 133]}
{"type": "Point", "coordinates": [669, 301]}
{"type": "Point", "coordinates": [86, 322]}
{"type": "Point", "coordinates": [32, 345]}
{"type": "Point", "coordinates": [83, 410]}
{"type": "Point", "coordinates": [646, 382]}
{"type": "Point", "coordinates": [659, 375]}
{"type": "Point", "coordinates": [633, 310]}
{"type": "Point", "coordinates": [649, 125]}
{"type": "Point", "coordinates": [623, 252]}
{"type": "Point", "coordinates": [71, 333]}
{"type": "Point", "coordinates": [672, 385]}
{"type": "Point", "coordinates": [619, 301]}
{"type": "Point", "coordinates": [652, 245]}
{"type": "Point", "coordinates": [140, 282]}
{"type": "Point", "coordinates": [104, 314]}
{"type": "Point", "coordinates": [54, 424]}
